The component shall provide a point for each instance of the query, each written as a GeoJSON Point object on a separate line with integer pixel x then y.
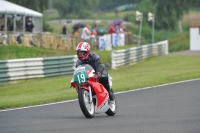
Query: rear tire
{"type": "Point", "coordinates": [113, 108]}
{"type": "Point", "coordinates": [87, 108]}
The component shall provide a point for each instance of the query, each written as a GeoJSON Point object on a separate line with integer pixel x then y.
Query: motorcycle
{"type": "Point", "coordinates": [92, 96]}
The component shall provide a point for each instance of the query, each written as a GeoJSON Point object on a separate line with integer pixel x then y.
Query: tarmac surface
{"type": "Point", "coordinates": [172, 108]}
{"type": "Point", "coordinates": [186, 52]}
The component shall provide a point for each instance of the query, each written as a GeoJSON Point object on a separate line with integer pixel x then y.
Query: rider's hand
{"type": "Point", "coordinates": [98, 75]}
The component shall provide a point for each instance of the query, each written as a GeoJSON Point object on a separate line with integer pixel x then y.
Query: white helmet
{"type": "Point", "coordinates": [84, 47]}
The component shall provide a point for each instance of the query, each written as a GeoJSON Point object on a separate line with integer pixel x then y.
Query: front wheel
{"type": "Point", "coordinates": [87, 108]}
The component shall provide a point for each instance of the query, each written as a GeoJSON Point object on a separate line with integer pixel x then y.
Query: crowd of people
{"type": "Point", "coordinates": [88, 32]}
{"type": "Point", "coordinates": [9, 26]}
{"type": "Point", "coordinates": [29, 26]}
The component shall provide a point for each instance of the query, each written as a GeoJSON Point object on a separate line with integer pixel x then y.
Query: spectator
{"type": "Point", "coordinates": [76, 32]}
{"type": "Point", "coordinates": [19, 38]}
{"type": "Point", "coordinates": [2, 28]}
{"type": "Point", "coordinates": [94, 30]}
{"type": "Point", "coordinates": [29, 25]}
{"type": "Point", "coordinates": [9, 26]}
{"type": "Point", "coordinates": [94, 33]}
{"type": "Point", "coordinates": [64, 30]}
{"type": "Point", "coordinates": [111, 29]}
{"type": "Point", "coordinates": [85, 36]}
{"type": "Point", "coordinates": [126, 30]}
{"type": "Point", "coordinates": [121, 29]}
{"type": "Point", "coordinates": [117, 29]}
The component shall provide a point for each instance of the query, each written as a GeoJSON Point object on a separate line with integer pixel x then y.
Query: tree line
{"type": "Point", "coordinates": [167, 12]}
{"type": "Point", "coordinates": [37, 5]}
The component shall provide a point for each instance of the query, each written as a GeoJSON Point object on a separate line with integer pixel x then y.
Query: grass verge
{"type": "Point", "coordinates": [150, 72]}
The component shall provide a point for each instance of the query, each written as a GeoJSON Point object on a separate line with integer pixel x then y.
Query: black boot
{"type": "Point", "coordinates": [104, 82]}
{"type": "Point", "coordinates": [111, 94]}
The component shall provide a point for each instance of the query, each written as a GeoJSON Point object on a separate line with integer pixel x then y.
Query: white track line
{"type": "Point", "coordinates": [115, 93]}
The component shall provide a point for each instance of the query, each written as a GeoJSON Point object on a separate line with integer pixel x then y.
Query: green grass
{"type": "Point", "coordinates": [57, 28]}
{"type": "Point", "coordinates": [150, 72]}
{"type": "Point", "coordinates": [17, 51]}
{"type": "Point", "coordinates": [157, 70]}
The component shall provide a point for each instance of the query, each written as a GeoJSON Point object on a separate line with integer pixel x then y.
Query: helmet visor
{"type": "Point", "coordinates": [81, 53]}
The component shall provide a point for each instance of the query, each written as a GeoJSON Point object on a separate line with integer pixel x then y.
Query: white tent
{"type": "Point", "coordinates": [11, 10]}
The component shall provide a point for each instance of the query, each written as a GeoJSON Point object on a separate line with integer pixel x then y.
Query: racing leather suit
{"type": "Point", "coordinates": [94, 60]}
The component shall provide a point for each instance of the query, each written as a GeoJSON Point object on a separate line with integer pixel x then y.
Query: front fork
{"type": "Point", "coordinates": [90, 92]}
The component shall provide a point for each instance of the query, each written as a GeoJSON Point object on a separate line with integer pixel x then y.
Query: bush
{"type": "Point", "coordinates": [46, 26]}
{"type": "Point", "coordinates": [179, 43]}
{"type": "Point", "coordinates": [129, 17]}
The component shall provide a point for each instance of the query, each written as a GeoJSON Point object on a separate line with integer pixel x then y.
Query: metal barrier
{"type": "Point", "coordinates": [136, 54]}
{"type": "Point", "coordinates": [17, 69]}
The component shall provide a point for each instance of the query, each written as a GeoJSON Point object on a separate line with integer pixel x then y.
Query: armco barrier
{"type": "Point", "coordinates": [17, 69]}
{"type": "Point", "coordinates": [136, 54]}
{"type": "Point", "coordinates": [36, 67]}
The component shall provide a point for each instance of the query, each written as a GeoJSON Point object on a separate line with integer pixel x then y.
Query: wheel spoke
{"type": "Point", "coordinates": [89, 106]}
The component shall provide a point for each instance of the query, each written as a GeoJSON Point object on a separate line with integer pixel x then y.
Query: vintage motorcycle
{"type": "Point", "coordinates": [92, 96]}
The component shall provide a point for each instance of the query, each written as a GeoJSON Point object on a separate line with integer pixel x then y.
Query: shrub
{"type": "Point", "coordinates": [179, 43]}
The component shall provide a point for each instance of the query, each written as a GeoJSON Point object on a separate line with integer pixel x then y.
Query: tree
{"type": "Point", "coordinates": [109, 5]}
{"type": "Point", "coordinates": [169, 12]}
{"type": "Point", "coordinates": [145, 6]}
{"type": "Point", "coordinates": [37, 5]}
{"type": "Point", "coordinates": [72, 8]}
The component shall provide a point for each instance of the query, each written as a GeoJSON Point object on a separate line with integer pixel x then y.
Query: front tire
{"type": "Point", "coordinates": [87, 108]}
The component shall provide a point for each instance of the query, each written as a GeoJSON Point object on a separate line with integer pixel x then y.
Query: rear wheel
{"type": "Point", "coordinates": [113, 108]}
{"type": "Point", "coordinates": [87, 108]}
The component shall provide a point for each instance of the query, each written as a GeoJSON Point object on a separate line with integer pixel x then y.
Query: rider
{"type": "Point", "coordinates": [85, 57]}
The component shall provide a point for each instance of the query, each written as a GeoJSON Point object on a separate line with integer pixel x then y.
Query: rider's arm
{"type": "Point", "coordinates": [78, 62]}
{"type": "Point", "coordinates": [98, 66]}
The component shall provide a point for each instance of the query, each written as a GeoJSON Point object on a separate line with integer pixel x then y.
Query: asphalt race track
{"type": "Point", "coordinates": [173, 108]}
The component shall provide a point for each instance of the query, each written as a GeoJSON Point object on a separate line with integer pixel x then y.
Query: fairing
{"type": "Point", "coordinates": [101, 93]}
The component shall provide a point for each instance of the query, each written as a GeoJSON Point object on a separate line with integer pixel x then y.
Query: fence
{"type": "Point", "coordinates": [136, 54]}
{"type": "Point", "coordinates": [11, 70]}
{"type": "Point", "coordinates": [56, 41]}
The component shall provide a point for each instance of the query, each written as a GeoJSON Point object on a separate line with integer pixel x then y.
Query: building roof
{"type": "Point", "coordinates": [7, 7]}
